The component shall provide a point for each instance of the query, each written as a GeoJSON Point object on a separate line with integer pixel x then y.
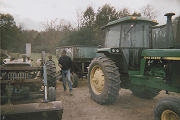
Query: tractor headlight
{"type": "Point", "coordinates": [115, 50]}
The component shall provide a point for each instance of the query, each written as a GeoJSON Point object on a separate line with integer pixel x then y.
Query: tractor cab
{"type": "Point", "coordinates": [129, 32]}
{"type": "Point", "coordinates": [128, 36]}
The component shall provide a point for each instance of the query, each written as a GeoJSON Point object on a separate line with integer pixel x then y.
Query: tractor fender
{"type": "Point", "coordinates": [104, 50]}
{"type": "Point", "coordinates": [117, 57]}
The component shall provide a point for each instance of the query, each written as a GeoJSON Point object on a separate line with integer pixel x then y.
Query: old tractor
{"type": "Point", "coordinates": [22, 85]}
{"type": "Point", "coordinates": [81, 57]}
{"type": "Point", "coordinates": [140, 56]}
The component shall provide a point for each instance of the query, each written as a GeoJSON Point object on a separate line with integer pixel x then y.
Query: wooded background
{"type": "Point", "coordinates": [62, 33]}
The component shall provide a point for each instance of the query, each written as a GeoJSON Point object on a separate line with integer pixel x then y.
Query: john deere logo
{"type": "Point", "coordinates": [163, 58]}
{"type": "Point", "coordinates": [156, 58]}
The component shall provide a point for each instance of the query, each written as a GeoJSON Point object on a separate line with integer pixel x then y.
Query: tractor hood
{"type": "Point", "coordinates": [161, 52]}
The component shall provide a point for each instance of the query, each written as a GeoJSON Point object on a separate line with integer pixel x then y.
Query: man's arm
{"type": "Point", "coordinates": [59, 62]}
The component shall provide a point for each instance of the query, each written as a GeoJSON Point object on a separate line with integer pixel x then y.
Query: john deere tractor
{"type": "Point", "coordinates": [140, 56]}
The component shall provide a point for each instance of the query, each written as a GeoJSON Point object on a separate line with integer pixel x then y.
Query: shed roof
{"type": "Point", "coordinates": [131, 18]}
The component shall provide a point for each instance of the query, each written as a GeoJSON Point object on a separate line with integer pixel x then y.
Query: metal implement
{"type": "Point", "coordinates": [44, 76]}
{"type": "Point", "coordinates": [35, 111]}
{"type": "Point", "coordinates": [19, 80]}
{"type": "Point", "coordinates": [45, 83]}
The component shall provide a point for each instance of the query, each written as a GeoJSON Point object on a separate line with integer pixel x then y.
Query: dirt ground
{"type": "Point", "coordinates": [127, 107]}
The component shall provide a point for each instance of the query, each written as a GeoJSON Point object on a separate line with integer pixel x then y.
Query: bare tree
{"type": "Point", "coordinates": [136, 14]}
{"type": "Point", "coordinates": [124, 12]}
{"type": "Point", "coordinates": [51, 25]}
{"type": "Point", "coordinates": [149, 11]}
{"type": "Point", "coordinates": [79, 15]}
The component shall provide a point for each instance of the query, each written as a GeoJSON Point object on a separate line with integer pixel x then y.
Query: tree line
{"type": "Point", "coordinates": [87, 32]}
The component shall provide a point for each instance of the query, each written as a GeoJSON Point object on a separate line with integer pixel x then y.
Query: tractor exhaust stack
{"type": "Point", "coordinates": [169, 30]}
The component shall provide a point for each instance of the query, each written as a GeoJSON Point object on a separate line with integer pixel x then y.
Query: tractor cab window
{"type": "Point", "coordinates": [112, 36]}
{"type": "Point", "coordinates": [131, 37]}
{"type": "Point", "coordinates": [128, 34]}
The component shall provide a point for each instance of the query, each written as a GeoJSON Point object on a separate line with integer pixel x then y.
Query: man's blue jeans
{"type": "Point", "coordinates": [66, 76]}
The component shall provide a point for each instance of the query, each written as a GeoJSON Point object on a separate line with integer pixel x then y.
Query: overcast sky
{"type": "Point", "coordinates": [32, 14]}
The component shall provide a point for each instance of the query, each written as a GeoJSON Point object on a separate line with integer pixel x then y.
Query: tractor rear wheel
{"type": "Point", "coordinates": [103, 80]}
{"type": "Point", "coordinates": [144, 92]}
{"type": "Point", "coordinates": [167, 109]}
{"type": "Point", "coordinates": [51, 73]}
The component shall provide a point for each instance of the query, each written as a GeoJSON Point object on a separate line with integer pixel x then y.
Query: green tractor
{"type": "Point", "coordinates": [142, 57]}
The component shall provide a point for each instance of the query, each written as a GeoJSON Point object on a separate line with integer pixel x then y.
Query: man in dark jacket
{"type": "Point", "coordinates": [65, 63]}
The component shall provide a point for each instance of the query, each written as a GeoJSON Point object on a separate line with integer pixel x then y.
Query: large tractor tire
{"type": "Point", "coordinates": [167, 109]}
{"type": "Point", "coordinates": [144, 92]}
{"type": "Point", "coordinates": [51, 94]}
{"type": "Point", "coordinates": [51, 73]}
{"type": "Point", "coordinates": [103, 80]}
{"type": "Point", "coordinates": [74, 80]}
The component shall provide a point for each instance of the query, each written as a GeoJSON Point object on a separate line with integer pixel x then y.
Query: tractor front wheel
{"type": "Point", "coordinates": [167, 109]}
{"type": "Point", "coordinates": [103, 80]}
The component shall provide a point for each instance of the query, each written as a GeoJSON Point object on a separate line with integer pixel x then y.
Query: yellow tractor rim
{"type": "Point", "coordinates": [97, 79]}
{"type": "Point", "coordinates": [169, 115]}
